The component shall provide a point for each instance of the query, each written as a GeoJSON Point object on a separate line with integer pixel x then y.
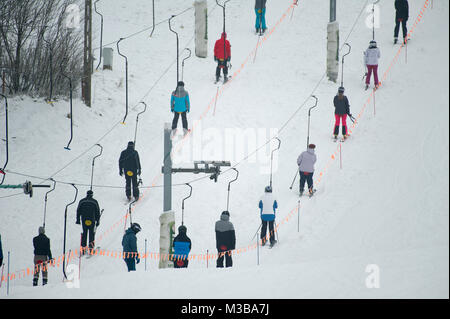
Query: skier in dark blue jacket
{"type": "Point", "coordinates": [181, 247]}
{"type": "Point", "coordinates": [129, 244]}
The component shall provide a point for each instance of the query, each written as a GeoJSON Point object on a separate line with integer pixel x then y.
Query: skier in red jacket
{"type": "Point", "coordinates": [222, 55]}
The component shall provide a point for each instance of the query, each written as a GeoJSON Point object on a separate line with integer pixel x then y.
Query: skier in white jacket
{"type": "Point", "coordinates": [371, 57]}
{"type": "Point", "coordinates": [305, 163]}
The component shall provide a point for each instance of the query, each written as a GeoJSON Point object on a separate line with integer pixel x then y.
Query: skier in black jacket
{"type": "Point", "coordinates": [225, 239]}
{"type": "Point", "coordinates": [89, 212]}
{"type": "Point", "coordinates": [130, 164]}
{"type": "Point", "coordinates": [401, 16]}
{"type": "Point", "coordinates": [42, 254]}
{"type": "Point", "coordinates": [342, 109]}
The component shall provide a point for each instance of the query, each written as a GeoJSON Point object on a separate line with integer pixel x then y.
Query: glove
{"type": "Point", "coordinates": [138, 260]}
{"type": "Point", "coordinates": [78, 222]}
{"type": "Point", "coordinates": [121, 173]}
{"type": "Point", "coordinates": [215, 59]}
{"type": "Point", "coordinates": [139, 172]}
{"type": "Point", "coordinates": [228, 60]}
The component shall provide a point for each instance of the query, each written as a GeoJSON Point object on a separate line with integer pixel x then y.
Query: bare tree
{"type": "Point", "coordinates": [35, 44]}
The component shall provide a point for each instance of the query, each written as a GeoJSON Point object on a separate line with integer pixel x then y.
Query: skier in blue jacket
{"type": "Point", "coordinates": [181, 246]}
{"type": "Point", "coordinates": [180, 105]}
{"type": "Point", "coordinates": [129, 244]}
{"type": "Point", "coordinates": [268, 205]}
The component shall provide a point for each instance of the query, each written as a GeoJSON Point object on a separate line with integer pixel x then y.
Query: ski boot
{"type": "Point", "coordinates": [35, 282]}
{"type": "Point", "coordinates": [395, 40]}
{"type": "Point", "coordinates": [225, 80]}
{"type": "Point", "coordinates": [367, 86]}
{"type": "Point", "coordinates": [44, 282]}
{"type": "Point", "coordinates": [272, 243]}
{"type": "Point", "coordinates": [301, 192]}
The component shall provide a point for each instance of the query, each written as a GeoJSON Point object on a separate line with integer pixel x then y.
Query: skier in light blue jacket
{"type": "Point", "coordinates": [180, 105]}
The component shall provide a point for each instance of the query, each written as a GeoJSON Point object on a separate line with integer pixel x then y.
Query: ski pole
{"type": "Point", "coordinates": [7, 280]}
{"type": "Point", "coordinates": [257, 231]}
{"type": "Point", "coordinates": [145, 263]}
{"type": "Point", "coordinates": [257, 251]}
{"type": "Point", "coordinates": [295, 177]}
{"type": "Point", "coordinates": [1, 278]}
{"type": "Point", "coordinates": [296, 4]}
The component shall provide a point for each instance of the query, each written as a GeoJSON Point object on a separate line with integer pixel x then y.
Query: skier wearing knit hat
{"type": "Point", "coordinates": [305, 163]}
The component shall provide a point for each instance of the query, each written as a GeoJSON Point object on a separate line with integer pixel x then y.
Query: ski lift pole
{"type": "Point", "coordinates": [93, 161]}
{"type": "Point", "coordinates": [178, 45]}
{"type": "Point", "coordinates": [228, 197]}
{"type": "Point", "coordinates": [101, 34]}
{"type": "Point", "coordinates": [45, 201]}
{"type": "Point", "coordinates": [7, 139]}
{"type": "Point", "coordinates": [182, 63]}
{"type": "Point", "coordinates": [373, 19]}
{"type": "Point", "coordinates": [153, 8]}
{"type": "Point", "coordinates": [342, 74]}
{"type": "Point", "coordinates": [126, 80]}
{"type": "Point", "coordinates": [271, 159]}
{"type": "Point", "coordinates": [65, 230]}
{"type": "Point", "coordinates": [182, 203]}
{"type": "Point", "coordinates": [129, 210]}
{"type": "Point", "coordinates": [223, 8]}
{"type": "Point", "coordinates": [309, 118]}
{"type": "Point", "coordinates": [71, 109]}
{"type": "Point", "coordinates": [137, 120]}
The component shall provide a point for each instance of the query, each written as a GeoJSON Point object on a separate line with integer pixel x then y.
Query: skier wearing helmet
{"type": "Point", "coordinates": [129, 244]}
{"type": "Point", "coordinates": [305, 163]}
{"type": "Point", "coordinates": [371, 57]}
{"type": "Point", "coordinates": [181, 246]}
{"type": "Point", "coordinates": [268, 205]}
{"type": "Point", "coordinates": [342, 109]}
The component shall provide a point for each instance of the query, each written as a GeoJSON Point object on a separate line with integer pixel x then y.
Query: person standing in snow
{"type": "Point", "coordinates": [342, 109]}
{"type": "Point", "coordinates": [130, 164]}
{"type": "Point", "coordinates": [268, 205]}
{"type": "Point", "coordinates": [225, 240]}
{"type": "Point", "coordinates": [222, 55]}
{"type": "Point", "coordinates": [89, 212]}
{"type": "Point", "coordinates": [42, 254]}
{"type": "Point", "coordinates": [181, 247]}
{"type": "Point", "coordinates": [129, 244]}
{"type": "Point", "coordinates": [260, 10]}
{"type": "Point", "coordinates": [371, 57]}
{"type": "Point", "coordinates": [401, 17]}
{"type": "Point", "coordinates": [180, 105]}
{"type": "Point", "coordinates": [305, 163]}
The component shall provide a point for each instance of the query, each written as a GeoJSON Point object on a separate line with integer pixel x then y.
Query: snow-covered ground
{"type": "Point", "coordinates": [385, 211]}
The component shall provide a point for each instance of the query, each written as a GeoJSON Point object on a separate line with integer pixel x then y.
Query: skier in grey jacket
{"type": "Point", "coordinates": [305, 163]}
{"type": "Point", "coordinates": [225, 239]}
